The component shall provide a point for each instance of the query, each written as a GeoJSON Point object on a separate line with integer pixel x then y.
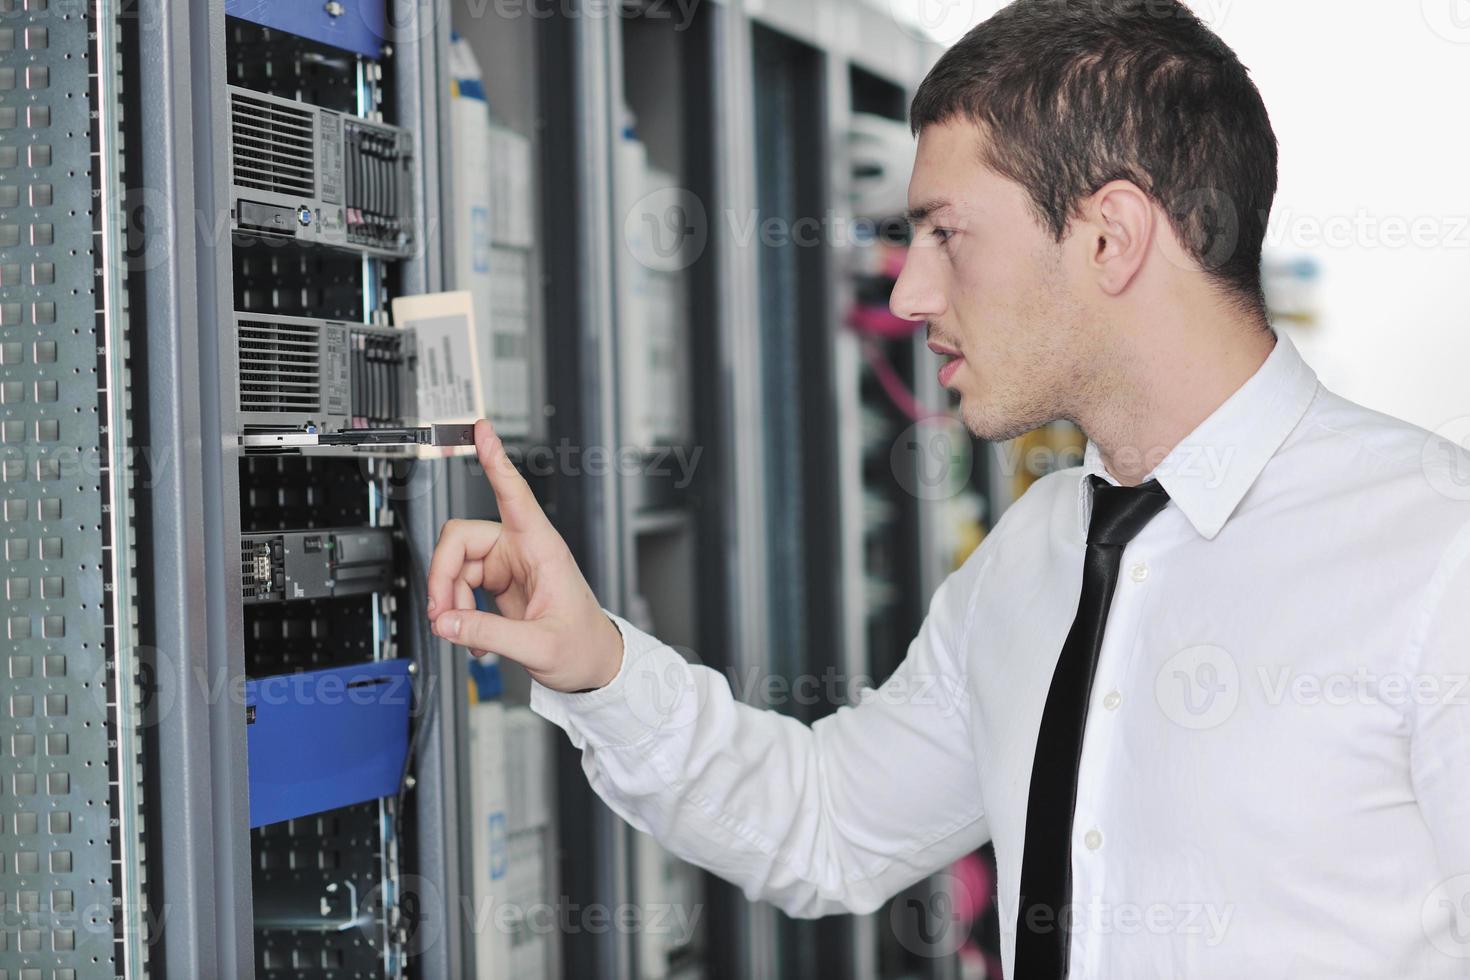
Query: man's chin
{"type": "Point", "coordinates": [988, 423]}
{"type": "Point", "coordinates": [978, 419]}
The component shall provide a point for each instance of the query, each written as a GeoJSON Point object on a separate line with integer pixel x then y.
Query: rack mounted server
{"type": "Point", "coordinates": [317, 176]}
{"type": "Point", "coordinates": [316, 564]}
{"type": "Point", "coordinates": [302, 372]}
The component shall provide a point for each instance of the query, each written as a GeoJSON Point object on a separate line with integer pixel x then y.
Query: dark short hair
{"type": "Point", "coordinates": [1073, 94]}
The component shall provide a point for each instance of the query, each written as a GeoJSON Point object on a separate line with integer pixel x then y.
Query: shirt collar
{"type": "Point", "coordinates": [1211, 469]}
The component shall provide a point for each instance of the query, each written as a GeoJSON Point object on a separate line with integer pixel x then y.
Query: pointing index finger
{"type": "Point", "coordinates": [517, 504]}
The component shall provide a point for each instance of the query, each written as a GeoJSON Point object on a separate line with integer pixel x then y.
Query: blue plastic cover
{"type": "Point", "coordinates": [489, 685]}
{"type": "Point", "coordinates": [323, 739]}
{"type": "Point", "coordinates": [360, 25]}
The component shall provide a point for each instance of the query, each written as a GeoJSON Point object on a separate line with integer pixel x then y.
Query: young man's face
{"type": "Point", "coordinates": [999, 294]}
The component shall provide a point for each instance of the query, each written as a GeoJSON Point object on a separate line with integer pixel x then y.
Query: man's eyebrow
{"type": "Point", "coordinates": [926, 210]}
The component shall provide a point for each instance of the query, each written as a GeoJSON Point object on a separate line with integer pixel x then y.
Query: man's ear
{"type": "Point", "coordinates": [1120, 220]}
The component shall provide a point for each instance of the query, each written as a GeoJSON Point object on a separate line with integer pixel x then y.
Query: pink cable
{"type": "Point", "coordinates": [893, 386]}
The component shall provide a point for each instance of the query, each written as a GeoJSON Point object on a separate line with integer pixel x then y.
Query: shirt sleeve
{"type": "Point", "coordinates": [832, 817]}
{"type": "Point", "coordinates": [1440, 689]}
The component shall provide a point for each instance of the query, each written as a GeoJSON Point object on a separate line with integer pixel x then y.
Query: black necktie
{"type": "Point", "coordinates": [1042, 933]}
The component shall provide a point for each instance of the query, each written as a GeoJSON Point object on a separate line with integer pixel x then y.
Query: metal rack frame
{"type": "Point", "coordinates": [202, 847]}
{"type": "Point", "coordinates": [200, 850]}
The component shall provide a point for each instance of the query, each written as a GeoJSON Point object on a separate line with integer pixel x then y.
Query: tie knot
{"type": "Point", "coordinates": [1119, 513]}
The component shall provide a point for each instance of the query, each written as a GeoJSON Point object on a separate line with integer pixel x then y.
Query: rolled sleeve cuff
{"type": "Point", "coordinates": [634, 706]}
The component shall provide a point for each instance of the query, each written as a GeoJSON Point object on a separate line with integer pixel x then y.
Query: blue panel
{"type": "Point", "coordinates": [322, 739]}
{"type": "Point", "coordinates": [362, 25]}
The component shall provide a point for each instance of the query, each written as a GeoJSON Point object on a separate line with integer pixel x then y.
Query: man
{"type": "Point", "coordinates": [1207, 692]}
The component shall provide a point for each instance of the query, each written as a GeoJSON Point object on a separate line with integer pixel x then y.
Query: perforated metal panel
{"type": "Point", "coordinates": [70, 829]}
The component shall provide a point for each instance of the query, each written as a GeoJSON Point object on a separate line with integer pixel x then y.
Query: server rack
{"type": "Point", "coordinates": [860, 51]}
{"type": "Point", "coordinates": [72, 866]}
{"type": "Point", "coordinates": [188, 275]}
{"type": "Point", "coordinates": [242, 316]}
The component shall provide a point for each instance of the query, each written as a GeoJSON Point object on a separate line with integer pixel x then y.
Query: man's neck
{"type": "Point", "coordinates": [1169, 383]}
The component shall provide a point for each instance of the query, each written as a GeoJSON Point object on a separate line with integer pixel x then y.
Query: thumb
{"type": "Point", "coordinates": [515, 639]}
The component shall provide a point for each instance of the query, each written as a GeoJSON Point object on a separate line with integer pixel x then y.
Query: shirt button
{"type": "Point", "coordinates": [1139, 571]}
{"type": "Point", "coordinates": [1093, 839]}
{"type": "Point", "coordinates": [1112, 699]}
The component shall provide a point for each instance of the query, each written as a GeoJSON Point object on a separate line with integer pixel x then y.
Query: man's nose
{"type": "Point", "coordinates": [916, 295]}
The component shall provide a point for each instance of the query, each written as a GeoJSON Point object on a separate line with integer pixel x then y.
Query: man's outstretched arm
{"type": "Point", "coordinates": [828, 818]}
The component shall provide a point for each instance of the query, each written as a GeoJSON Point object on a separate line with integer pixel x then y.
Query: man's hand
{"type": "Point", "coordinates": [549, 621]}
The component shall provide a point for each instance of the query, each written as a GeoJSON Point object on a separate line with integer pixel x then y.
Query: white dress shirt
{"type": "Point", "coordinates": [1275, 776]}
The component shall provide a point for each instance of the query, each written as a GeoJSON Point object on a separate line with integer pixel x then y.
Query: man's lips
{"type": "Point", "coordinates": [952, 363]}
{"type": "Point", "coordinates": [950, 369]}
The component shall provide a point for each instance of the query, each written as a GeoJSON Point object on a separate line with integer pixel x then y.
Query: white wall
{"type": "Point", "coordinates": [1369, 104]}
{"type": "Point", "coordinates": [1369, 100]}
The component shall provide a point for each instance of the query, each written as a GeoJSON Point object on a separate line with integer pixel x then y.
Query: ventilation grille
{"type": "Point", "coordinates": [280, 366]}
{"type": "Point", "coordinates": [274, 146]}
